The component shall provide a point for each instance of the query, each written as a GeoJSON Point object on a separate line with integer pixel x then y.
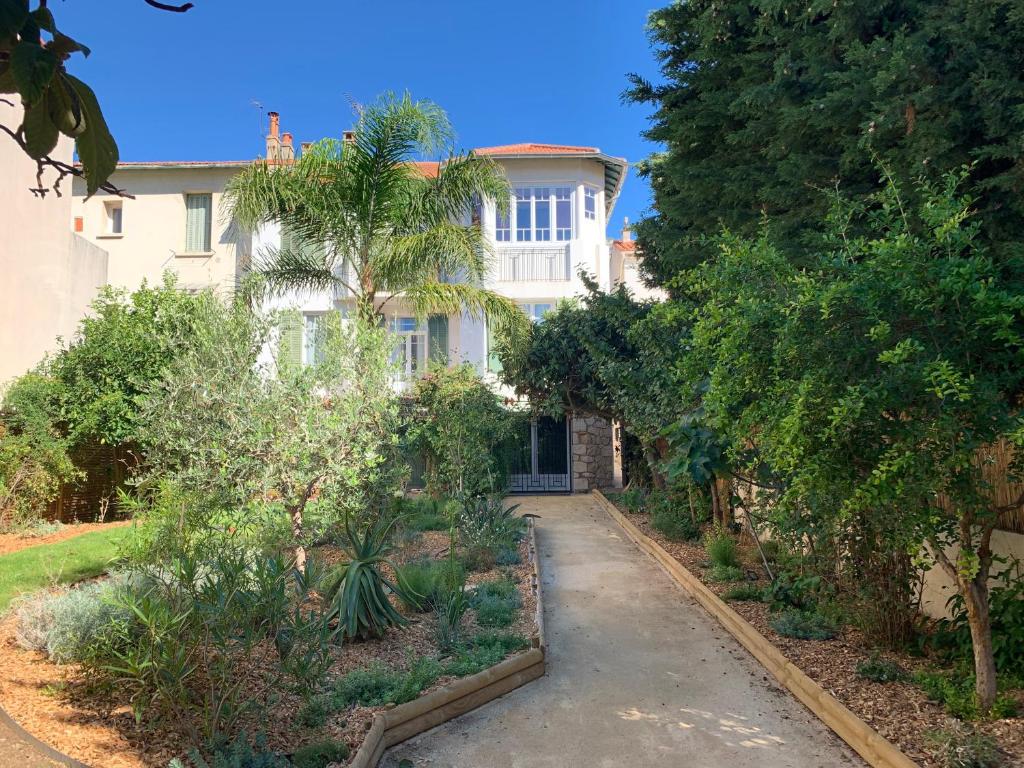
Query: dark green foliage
{"type": "Point", "coordinates": [314, 712]}
{"type": "Point", "coordinates": [423, 581]}
{"type": "Point", "coordinates": [803, 625]}
{"type": "Point", "coordinates": [721, 548]}
{"type": "Point", "coordinates": [496, 603]}
{"type": "Point", "coordinates": [320, 754]}
{"type": "Point", "coordinates": [450, 609]}
{"type": "Point", "coordinates": [378, 684]}
{"type": "Point", "coordinates": [671, 517]}
{"type": "Point", "coordinates": [483, 651]}
{"type": "Point", "coordinates": [359, 597]}
{"type": "Point", "coordinates": [486, 521]}
{"type": "Point", "coordinates": [479, 558]}
{"type": "Point", "coordinates": [794, 590]}
{"type": "Point", "coordinates": [961, 745]}
{"type": "Point", "coordinates": [238, 754]}
{"type": "Point", "coordinates": [508, 556]}
{"type": "Point", "coordinates": [634, 499]}
{"type": "Point", "coordinates": [725, 573]}
{"type": "Point", "coordinates": [881, 670]}
{"type": "Point", "coordinates": [956, 692]}
{"type": "Point", "coordinates": [766, 106]}
{"type": "Point", "coordinates": [742, 592]}
{"type": "Point", "coordinates": [952, 636]}
{"type": "Point", "coordinates": [425, 513]}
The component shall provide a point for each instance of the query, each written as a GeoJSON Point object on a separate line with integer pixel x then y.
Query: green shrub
{"type": "Point", "coordinates": [483, 651]}
{"type": "Point", "coordinates": [38, 528]}
{"type": "Point", "coordinates": [422, 580]}
{"type": "Point", "coordinates": [794, 590]}
{"type": "Point", "coordinates": [425, 513]}
{"type": "Point", "coordinates": [496, 603]}
{"type": "Point", "coordinates": [238, 754]}
{"type": "Point", "coordinates": [956, 693]}
{"type": "Point", "coordinates": [721, 548]}
{"type": "Point", "coordinates": [961, 746]}
{"type": "Point", "coordinates": [881, 670]}
{"type": "Point", "coordinates": [66, 625]}
{"type": "Point", "coordinates": [449, 610]}
{"type": "Point", "coordinates": [670, 519]}
{"type": "Point", "coordinates": [508, 556]}
{"type": "Point", "coordinates": [479, 558]}
{"type": "Point", "coordinates": [485, 521]}
{"type": "Point", "coordinates": [633, 499]}
{"type": "Point", "coordinates": [321, 754]}
{"type": "Point", "coordinates": [772, 550]}
{"type": "Point", "coordinates": [803, 625]}
{"type": "Point", "coordinates": [744, 592]}
{"type": "Point", "coordinates": [724, 573]}
{"type": "Point", "coordinates": [377, 684]}
{"type": "Point", "coordinates": [314, 712]}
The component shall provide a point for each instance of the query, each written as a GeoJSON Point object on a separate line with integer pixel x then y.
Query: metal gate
{"type": "Point", "coordinates": [539, 461]}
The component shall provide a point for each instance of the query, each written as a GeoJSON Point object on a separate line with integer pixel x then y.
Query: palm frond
{"type": "Point", "coordinates": [508, 322]}
{"type": "Point", "coordinates": [296, 268]}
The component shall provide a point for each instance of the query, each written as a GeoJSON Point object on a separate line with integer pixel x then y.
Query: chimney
{"type": "Point", "coordinates": [305, 146]}
{"type": "Point", "coordinates": [627, 233]}
{"type": "Point", "coordinates": [349, 137]}
{"type": "Point", "coordinates": [273, 142]}
{"type": "Point", "coordinates": [287, 148]}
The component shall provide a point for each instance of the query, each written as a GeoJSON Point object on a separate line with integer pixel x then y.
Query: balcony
{"type": "Point", "coordinates": [534, 265]}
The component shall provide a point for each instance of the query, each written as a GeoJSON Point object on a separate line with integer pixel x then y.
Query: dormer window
{"type": "Point", "coordinates": [590, 203]}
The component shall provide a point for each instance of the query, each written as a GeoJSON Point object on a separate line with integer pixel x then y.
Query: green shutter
{"type": "Point", "coordinates": [493, 361]}
{"type": "Point", "coordinates": [437, 331]}
{"type": "Point", "coordinates": [198, 213]}
{"type": "Point", "coordinates": [290, 349]}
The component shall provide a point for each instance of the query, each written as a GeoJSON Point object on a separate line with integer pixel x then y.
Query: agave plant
{"type": "Point", "coordinates": [359, 596]}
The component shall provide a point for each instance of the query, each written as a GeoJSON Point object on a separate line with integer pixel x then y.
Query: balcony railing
{"type": "Point", "coordinates": [547, 265]}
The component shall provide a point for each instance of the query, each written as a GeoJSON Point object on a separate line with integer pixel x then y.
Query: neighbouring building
{"type": "Point", "coordinates": [50, 274]}
{"type": "Point", "coordinates": [562, 198]}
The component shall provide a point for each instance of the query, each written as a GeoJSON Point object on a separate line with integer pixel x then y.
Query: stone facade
{"type": "Point", "coordinates": [592, 453]}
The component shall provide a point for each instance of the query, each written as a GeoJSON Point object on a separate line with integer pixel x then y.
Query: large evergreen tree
{"type": "Point", "coordinates": [766, 106]}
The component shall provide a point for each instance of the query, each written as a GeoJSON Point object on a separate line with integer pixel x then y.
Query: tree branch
{"type": "Point", "coordinates": [165, 7]}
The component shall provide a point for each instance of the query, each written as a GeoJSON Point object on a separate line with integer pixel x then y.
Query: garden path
{"type": "Point", "coordinates": [638, 674]}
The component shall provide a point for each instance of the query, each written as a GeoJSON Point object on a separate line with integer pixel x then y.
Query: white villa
{"type": "Point", "coordinates": [562, 200]}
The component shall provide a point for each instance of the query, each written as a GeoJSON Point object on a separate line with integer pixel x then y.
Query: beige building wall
{"type": "Point", "coordinates": [939, 587]}
{"type": "Point", "coordinates": [152, 239]}
{"type": "Point", "coordinates": [48, 277]}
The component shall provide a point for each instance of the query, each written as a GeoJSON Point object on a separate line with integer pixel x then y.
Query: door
{"type": "Point", "coordinates": [540, 463]}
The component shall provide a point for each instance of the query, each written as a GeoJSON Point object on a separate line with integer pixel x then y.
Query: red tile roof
{"type": "Point", "coordinates": [428, 168]}
{"type": "Point", "coordinates": [535, 149]}
{"type": "Point", "coordinates": [624, 246]}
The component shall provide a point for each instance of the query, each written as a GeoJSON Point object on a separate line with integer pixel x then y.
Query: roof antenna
{"type": "Point", "coordinates": [259, 118]}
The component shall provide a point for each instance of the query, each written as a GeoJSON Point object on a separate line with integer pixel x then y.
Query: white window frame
{"type": "Point", "coordinates": [312, 337]}
{"type": "Point", "coordinates": [589, 198]}
{"type": "Point", "coordinates": [410, 345]}
{"type": "Point", "coordinates": [512, 233]}
{"type": "Point", "coordinates": [209, 222]}
{"type": "Point", "coordinates": [529, 308]}
{"type": "Point", "coordinates": [113, 225]}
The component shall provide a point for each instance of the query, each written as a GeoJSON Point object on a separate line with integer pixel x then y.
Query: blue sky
{"type": "Point", "coordinates": [182, 86]}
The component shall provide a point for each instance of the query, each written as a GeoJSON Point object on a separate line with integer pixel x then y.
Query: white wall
{"type": "Point", "coordinates": [47, 276]}
{"type": "Point", "coordinates": [153, 238]}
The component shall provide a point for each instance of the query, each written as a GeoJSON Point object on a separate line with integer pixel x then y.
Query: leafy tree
{"type": "Point", "coordinates": [361, 216]}
{"type": "Point", "coordinates": [255, 438]}
{"type": "Point", "coordinates": [763, 105]}
{"type": "Point", "coordinates": [460, 424]}
{"type": "Point", "coordinates": [33, 56]}
{"type": "Point", "coordinates": [866, 388]}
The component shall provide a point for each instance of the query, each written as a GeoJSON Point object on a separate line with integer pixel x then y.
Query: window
{"type": "Point", "coordinates": [536, 312]}
{"type": "Point", "coordinates": [535, 212]}
{"type": "Point", "coordinates": [410, 351]}
{"type": "Point", "coordinates": [198, 211]}
{"type": "Point", "coordinates": [115, 218]}
{"type": "Point", "coordinates": [524, 215]}
{"type": "Point", "coordinates": [313, 341]}
{"type": "Point", "coordinates": [590, 203]}
{"type": "Point", "coordinates": [563, 213]}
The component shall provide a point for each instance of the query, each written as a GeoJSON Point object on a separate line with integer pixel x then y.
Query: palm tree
{"type": "Point", "coordinates": [363, 216]}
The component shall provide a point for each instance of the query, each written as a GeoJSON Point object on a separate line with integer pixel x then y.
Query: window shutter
{"type": "Point", "coordinates": [197, 223]}
{"type": "Point", "coordinates": [493, 361]}
{"type": "Point", "coordinates": [437, 330]}
{"type": "Point", "coordinates": [289, 353]}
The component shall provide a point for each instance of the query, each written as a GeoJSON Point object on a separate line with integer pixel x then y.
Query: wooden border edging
{"type": "Point", "coordinates": [394, 726]}
{"type": "Point", "coordinates": [876, 750]}
{"type": "Point", "coordinates": [41, 747]}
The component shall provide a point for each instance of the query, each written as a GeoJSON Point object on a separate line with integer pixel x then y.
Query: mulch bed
{"type": "Point", "coordinates": [13, 542]}
{"type": "Point", "coordinates": [900, 711]}
{"type": "Point", "coordinates": [53, 703]}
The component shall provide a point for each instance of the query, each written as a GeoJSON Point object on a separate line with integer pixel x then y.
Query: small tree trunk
{"type": "Point", "coordinates": [716, 503]}
{"type": "Point", "coordinates": [980, 622]}
{"type": "Point", "coordinates": [300, 551]}
{"type": "Point", "coordinates": [653, 463]}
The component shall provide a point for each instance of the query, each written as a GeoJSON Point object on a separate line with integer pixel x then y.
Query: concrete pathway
{"type": "Point", "coordinates": [638, 675]}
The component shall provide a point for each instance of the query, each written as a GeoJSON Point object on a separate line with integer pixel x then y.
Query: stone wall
{"type": "Point", "coordinates": [592, 455]}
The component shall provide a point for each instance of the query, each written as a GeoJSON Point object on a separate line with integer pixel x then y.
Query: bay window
{"type": "Point", "coordinates": [590, 203]}
{"type": "Point", "coordinates": [534, 213]}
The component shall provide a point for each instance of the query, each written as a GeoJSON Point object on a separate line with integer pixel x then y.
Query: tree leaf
{"type": "Point", "coordinates": [39, 131]}
{"type": "Point", "coordinates": [62, 45]}
{"type": "Point", "coordinates": [7, 84]}
{"type": "Point", "coordinates": [65, 109]}
{"type": "Point", "coordinates": [13, 14]}
{"type": "Point", "coordinates": [33, 67]}
{"type": "Point", "coordinates": [96, 147]}
{"type": "Point", "coordinates": [44, 19]}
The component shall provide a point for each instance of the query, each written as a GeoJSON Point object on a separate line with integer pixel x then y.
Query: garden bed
{"type": "Point", "coordinates": [13, 542]}
{"type": "Point", "coordinates": [53, 701]}
{"type": "Point", "coordinates": [899, 711]}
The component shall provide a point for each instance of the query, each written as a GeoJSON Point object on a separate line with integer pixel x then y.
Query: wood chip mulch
{"type": "Point", "coordinates": [54, 704]}
{"type": "Point", "coordinates": [899, 711]}
{"type": "Point", "coordinates": [13, 542]}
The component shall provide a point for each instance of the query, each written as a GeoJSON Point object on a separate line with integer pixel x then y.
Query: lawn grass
{"type": "Point", "coordinates": [63, 562]}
